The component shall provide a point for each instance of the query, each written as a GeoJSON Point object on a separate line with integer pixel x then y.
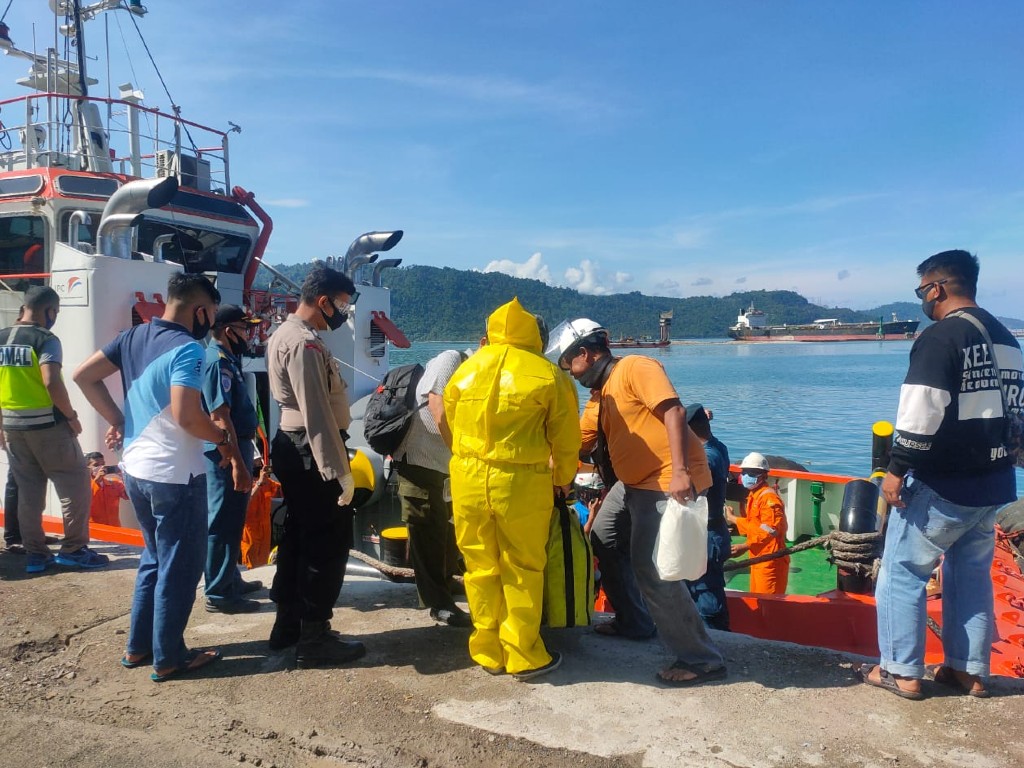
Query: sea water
{"type": "Point", "coordinates": [811, 402]}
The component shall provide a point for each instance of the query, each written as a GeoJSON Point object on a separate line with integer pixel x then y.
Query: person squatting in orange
{"type": "Point", "coordinates": [107, 491]}
{"type": "Point", "coordinates": [256, 535]}
{"type": "Point", "coordinates": [765, 527]}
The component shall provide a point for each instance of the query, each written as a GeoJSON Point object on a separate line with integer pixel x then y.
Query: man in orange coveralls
{"type": "Point", "coordinates": [256, 534]}
{"type": "Point", "coordinates": [764, 526]}
{"type": "Point", "coordinates": [107, 491]}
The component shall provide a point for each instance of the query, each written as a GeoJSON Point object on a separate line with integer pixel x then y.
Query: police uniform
{"type": "Point", "coordinates": [224, 384]}
{"type": "Point", "coordinates": [40, 443]}
{"type": "Point", "coordinates": [309, 457]}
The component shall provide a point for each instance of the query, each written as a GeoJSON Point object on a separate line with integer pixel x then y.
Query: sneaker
{"type": "Point", "coordinates": [15, 548]}
{"type": "Point", "coordinates": [83, 558]}
{"type": "Point", "coordinates": [38, 563]}
{"type": "Point", "coordinates": [551, 666]}
{"type": "Point", "coordinates": [320, 646]}
{"type": "Point", "coordinates": [238, 605]}
{"type": "Point", "coordinates": [453, 617]}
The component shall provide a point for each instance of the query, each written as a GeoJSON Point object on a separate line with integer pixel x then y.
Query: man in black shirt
{"type": "Point", "coordinates": [950, 473]}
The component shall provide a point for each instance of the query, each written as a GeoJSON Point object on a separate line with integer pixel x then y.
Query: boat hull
{"type": "Point", "coordinates": [897, 331]}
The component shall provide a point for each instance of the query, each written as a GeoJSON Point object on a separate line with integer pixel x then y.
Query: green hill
{"type": "Point", "coordinates": [431, 303]}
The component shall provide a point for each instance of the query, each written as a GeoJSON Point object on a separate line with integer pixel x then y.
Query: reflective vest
{"type": "Point", "coordinates": [24, 399]}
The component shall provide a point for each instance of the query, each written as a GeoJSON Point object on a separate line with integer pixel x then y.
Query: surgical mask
{"type": "Point", "coordinates": [749, 481]}
{"type": "Point", "coordinates": [200, 330]}
{"type": "Point", "coordinates": [238, 348]}
{"type": "Point", "coordinates": [597, 374]}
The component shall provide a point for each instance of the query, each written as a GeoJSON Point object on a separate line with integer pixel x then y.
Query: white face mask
{"type": "Point", "coordinates": [749, 481]}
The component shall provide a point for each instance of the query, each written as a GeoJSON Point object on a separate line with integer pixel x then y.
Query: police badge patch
{"type": "Point", "coordinates": [225, 382]}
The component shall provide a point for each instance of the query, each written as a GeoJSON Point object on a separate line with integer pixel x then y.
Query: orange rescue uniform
{"type": "Point", "coordinates": [107, 492]}
{"type": "Point", "coordinates": [765, 528]}
{"type": "Point", "coordinates": [256, 533]}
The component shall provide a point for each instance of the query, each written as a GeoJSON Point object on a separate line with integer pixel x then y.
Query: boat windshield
{"type": "Point", "coordinates": [22, 250]}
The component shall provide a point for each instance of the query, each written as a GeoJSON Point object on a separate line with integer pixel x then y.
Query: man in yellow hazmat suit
{"type": "Point", "coordinates": [515, 438]}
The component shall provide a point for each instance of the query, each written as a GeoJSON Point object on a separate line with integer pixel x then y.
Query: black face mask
{"type": "Point", "coordinates": [597, 374]}
{"type": "Point", "coordinates": [200, 330]}
{"type": "Point", "coordinates": [238, 348]}
{"type": "Point", "coordinates": [335, 321]}
{"type": "Point", "coordinates": [928, 307]}
{"type": "Point", "coordinates": [50, 321]}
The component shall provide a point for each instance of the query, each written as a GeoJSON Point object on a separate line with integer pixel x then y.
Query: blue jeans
{"type": "Point", "coordinates": [918, 535]}
{"type": "Point", "coordinates": [226, 519]}
{"type": "Point", "coordinates": [708, 592]}
{"type": "Point", "coordinates": [173, 522]}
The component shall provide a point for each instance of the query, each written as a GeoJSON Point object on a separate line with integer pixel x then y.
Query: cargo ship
{"type": "Point", "coordinates": [751, 325]}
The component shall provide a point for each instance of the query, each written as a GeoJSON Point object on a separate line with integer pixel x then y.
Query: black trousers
{"type": "Point", "coordinates": [313, 551]}
{"type": "Point", "coordinates": [432, 551]}
{"type": "Point", "coordinates": [12, 531]}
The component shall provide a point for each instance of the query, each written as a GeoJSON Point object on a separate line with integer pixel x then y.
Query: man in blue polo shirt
{"type": "Point", "coordinates": [226, 399]}
{"type": "Point", "coordinates": [162, 429]}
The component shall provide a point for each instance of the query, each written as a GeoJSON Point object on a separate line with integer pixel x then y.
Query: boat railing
{"type": "Point", "coordinates": [108, 135]}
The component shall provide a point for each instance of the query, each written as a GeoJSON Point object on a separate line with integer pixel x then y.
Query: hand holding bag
{"type": "Point", "coordinates": [681, 549]}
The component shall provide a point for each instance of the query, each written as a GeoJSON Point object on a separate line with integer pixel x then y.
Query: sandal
{"type": "Point", "coordinates": [948, 677]}
{"type": "Point", "coordinates": [141, 660]}
{"type": "Point", "coordinates": [886, 681]}
{"type": "Point", "coordinates": [699, 675]}
{"type": "Point", "coordinates": [195, 660]}
{"type": "Point", "coordinates": [607, 628]}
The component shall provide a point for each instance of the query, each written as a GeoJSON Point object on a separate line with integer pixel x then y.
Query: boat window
{"type": "Point", "coordinates": [198, 250]}
{"type": "Point", "coordinates": [21, 185]}
{"type": "Point", "coordinates": [87, 186]}
{"type": "Point", "coordinates": [86, 232]}
{"type": "Point", "coordinates": [22, 251]}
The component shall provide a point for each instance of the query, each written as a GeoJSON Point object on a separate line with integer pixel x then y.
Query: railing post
{"type": "Point", "coordinates": [227, 166]}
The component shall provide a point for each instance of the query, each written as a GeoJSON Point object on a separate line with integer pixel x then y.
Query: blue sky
{"type": "Point", "coordinates": [675, 148]}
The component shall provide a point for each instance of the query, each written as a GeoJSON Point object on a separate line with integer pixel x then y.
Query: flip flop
{"type": "Point", "coordinates": [699, 675]}
{"type": "Point", "coordinates": [195, 660]}
{"type": "Point", "coordinates": [887, 682]}
{"type": "Point", "coordinates": [947, 676]}
{"type": "Point", "coordinates": [140, 662]}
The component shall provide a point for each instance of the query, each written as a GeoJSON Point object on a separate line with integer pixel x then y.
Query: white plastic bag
{"type": "Point", "coordinates": [681, 549]}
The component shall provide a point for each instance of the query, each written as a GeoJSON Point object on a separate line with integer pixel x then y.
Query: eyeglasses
{"type": "Point", "coordinates": [346, 306]}
{"type": "Point", "coordinates": [922, 291]}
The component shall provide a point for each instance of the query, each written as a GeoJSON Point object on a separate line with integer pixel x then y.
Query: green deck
{"type": "Point", "coordinates": [810, 573]}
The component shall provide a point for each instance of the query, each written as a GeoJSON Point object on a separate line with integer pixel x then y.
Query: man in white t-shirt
{"type": "Point", "coordinates": [422, 465]}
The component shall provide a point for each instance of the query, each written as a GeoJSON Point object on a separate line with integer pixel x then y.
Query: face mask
{"type": "Point", "coordinates": [335, 321]}
{"type": "Point", "coordinates": [597, 374]}
{"type": "Point", "coordinates": [238, 348]}
{"type": "Point", "coordinates": [928, 307]}
{"type": "Point", "coordinates": [749, 481]}
{"type": "Point", "coordinates": [199, 330]}
{"type": "Point", "coordinates": [50, 320]}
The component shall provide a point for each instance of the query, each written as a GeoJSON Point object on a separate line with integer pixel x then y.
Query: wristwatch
{"type": "Point", "coordinates": [226, 440]}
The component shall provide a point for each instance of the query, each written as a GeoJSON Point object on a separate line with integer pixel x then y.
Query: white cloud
{"type": "Point", "coordinates": [623, 278]}
{"type": "Point", "coordinates": [741, 280]}
{"type": "Point", "coordinates": [586, 278]}
{"type": "Point", "coordinates": [843, 274]}
{"type": "Point", "coordinates": [533, 268]}
{"type": "Point", "coordinates": [702, 281]}
{"type": "Point", "coordinates": [667, 287]}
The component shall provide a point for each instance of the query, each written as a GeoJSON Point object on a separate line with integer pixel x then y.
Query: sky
{"type": "Point", "coordinates": [673, 148]}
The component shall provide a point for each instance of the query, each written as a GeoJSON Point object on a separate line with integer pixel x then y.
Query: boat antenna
{"type": "Point", "coordinates": [174, 106]}
{"type": "Point", "coordinates": [9, 3]}
{"type": "Point", "coordinates": [80, 48]}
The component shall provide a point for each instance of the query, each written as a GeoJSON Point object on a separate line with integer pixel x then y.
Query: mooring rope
{"type": "Point", "coordinates": [858, 553]}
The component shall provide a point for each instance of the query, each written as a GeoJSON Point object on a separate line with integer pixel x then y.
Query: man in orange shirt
{"type": "Point", "coordinates": [256, 534]}
{"type": "Point", "coordinates": [107, 491]}
{"type": "Point", "coordinates": [765, 527]}
{"type": "Point", "coordinates": [656, 456]}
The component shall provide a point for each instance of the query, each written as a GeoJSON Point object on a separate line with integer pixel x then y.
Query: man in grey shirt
{"type": "Point", "coordinates": [422, 465]}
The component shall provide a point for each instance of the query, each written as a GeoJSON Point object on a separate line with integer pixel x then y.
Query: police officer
{"type": "Point", "coordinates": [311, 461]}
{"type": "Point", "coordinates": [40, 430]}
{"type": "Point", "coordinates": [226, 398]}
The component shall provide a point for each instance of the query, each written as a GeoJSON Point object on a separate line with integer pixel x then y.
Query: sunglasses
{"type": "Point", "coordinates": [922, 291]}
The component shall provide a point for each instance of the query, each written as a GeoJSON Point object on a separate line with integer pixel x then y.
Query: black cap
{"type": "Point", "coordinates": [696, 412]}
{"type": "Point", "coordinates": [232, 313]}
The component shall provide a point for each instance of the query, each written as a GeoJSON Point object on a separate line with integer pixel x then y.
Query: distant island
{"type": "Point", "coordinates": [435, 303]}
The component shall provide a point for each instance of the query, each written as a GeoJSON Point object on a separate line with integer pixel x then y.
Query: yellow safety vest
{"type": "Point", "coordinates": [24, 399]}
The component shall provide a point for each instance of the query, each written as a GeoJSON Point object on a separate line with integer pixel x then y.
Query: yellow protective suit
{"type": "Point", "coordinates": [515, 434]}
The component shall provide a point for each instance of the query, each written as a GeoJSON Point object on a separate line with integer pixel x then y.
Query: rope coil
{"type": "Point", "coordinates": [858, 553]}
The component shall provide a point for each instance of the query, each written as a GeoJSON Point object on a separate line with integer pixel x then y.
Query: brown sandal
{"type": "Point", "coordinates": [887, 682]}
{"type": "Point", "coordinates": [948, 677]}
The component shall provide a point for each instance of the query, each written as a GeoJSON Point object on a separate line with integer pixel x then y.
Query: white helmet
{"type": "Point", "coordinates": [569, 333]}
{"type": "Point", "coordinates": [754, 461]}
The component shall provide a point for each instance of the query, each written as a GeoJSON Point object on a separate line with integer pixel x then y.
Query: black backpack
{"type": "Point", "coordinates": [391, 408]}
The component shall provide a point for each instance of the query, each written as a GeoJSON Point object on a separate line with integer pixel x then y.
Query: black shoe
{"type": "Point", "coordinates": [319, 646]}
{"type": "Point", "coordinates": [238, 605]}
{"type": "Point", "coordinates": [551, 666]}
{"type": "Point", "coordinates": [453, 617]}
{"type": "Point", "coordinates": [16, 548]}
{"type": "Point", "coordinates": [283, 636]}
{"type": "Point", "coordinates": [246, 587]}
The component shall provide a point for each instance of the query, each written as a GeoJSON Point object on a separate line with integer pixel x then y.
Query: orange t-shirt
{"type": "Point", "coordinates": [256, 534]}
{"type": "Point", "coordinates": [637, 438]}
{"type": "Point", "coordinates": [107, 492]}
